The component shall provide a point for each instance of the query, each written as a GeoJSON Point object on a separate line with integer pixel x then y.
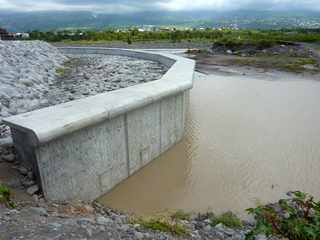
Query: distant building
{"type": "Point", "coordinates": [5, 35]}
{"type": "Point", "coordinates": [149, 28]}
{"type": "Point", "coordinates": [22, 35]}
{"type": "Point", "coordinates": [165, 29]}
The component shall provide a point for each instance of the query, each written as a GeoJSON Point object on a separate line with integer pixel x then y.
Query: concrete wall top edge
{"type": "Point", "coordinates": [50, 123]}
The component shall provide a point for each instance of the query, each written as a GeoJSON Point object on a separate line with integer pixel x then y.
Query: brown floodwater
{"type": "Point", "coordinates": [247, 141]}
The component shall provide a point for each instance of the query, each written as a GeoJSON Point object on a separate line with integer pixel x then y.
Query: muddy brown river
{"type": "Point", "coordinates": [247, 141]}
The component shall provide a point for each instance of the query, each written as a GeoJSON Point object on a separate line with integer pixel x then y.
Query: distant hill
{"type": "Point", "coordinates": [46, 21]}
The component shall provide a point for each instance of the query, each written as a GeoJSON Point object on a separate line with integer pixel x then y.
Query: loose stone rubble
{"type": "Point", "coordinates": [87, 75]}
{"type": "Point", "coordinates": [27, 69]}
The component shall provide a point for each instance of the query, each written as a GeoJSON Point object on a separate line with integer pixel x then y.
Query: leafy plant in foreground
{"type": "Point", "coordinates": [5, 196]}
{"type": "Point", "coordinates": [163, 224]}
{"type": "Point", "coordinates": [295, 218]}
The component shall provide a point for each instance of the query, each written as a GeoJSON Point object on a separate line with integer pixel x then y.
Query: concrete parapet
{"type": "Point", "coordinates": [82, 149]}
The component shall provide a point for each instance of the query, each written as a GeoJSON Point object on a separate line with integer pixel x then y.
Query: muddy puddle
{"type": "Point", "coordinates": [247, 141]}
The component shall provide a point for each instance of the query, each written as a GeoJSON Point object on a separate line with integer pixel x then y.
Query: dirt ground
{"type": "Point", "coordinates": [237, 65]}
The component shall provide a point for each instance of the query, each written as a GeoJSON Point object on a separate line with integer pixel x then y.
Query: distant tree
{"type": "Point", "coordinates": [129, 41]}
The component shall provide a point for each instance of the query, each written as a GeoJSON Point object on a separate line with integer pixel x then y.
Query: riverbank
{"type": "Point", "coordinates": [92, 221]}
{"type": "Point", "coordinates": [36, 219]}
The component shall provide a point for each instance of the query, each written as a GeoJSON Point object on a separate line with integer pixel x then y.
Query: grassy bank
{"type": "Point", "coordinates": [282, 63]}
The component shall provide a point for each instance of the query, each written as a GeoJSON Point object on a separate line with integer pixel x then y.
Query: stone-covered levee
{"type": "Point", "coordinates": [82, 149]}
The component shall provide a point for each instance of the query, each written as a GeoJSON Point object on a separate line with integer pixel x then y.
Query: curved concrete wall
{"type": "Point", "coordinates": [82, 149]}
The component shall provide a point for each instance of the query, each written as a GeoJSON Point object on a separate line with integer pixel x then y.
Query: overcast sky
{"type": "Point", "coordinates": [124, 6]}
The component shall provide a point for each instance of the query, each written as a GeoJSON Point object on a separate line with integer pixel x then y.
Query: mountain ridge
{"type": "Point", "coordinates": [59, 20]}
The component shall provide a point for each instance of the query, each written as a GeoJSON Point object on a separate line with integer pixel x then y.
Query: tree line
{"type": "Point", "coordinates": [211, 35]}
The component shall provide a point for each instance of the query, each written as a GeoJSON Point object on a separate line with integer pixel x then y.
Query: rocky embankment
{"type": "Point", "coordinates": [93, 221]}
{"type": "Point", "coordinates": [27, 70]}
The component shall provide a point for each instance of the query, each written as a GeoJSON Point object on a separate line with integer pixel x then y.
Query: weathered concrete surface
{"type": "Point", "coordinates": [143, 145]}
{"type": "Point", "coordinates": [85, 163]}
{"type": "Point", "coordinates": [84, 148]}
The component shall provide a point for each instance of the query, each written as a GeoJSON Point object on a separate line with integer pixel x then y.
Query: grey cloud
{"type": "Point", "coordinates": [150, 5]}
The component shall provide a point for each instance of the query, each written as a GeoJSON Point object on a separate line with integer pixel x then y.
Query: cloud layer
{"type": "Point", "coordinates": [124, 6]}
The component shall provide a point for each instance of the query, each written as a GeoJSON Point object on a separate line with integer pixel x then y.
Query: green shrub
{"type": "Point", "coordinates": [295, 218]}
{"type": "Point", "coordinates": [163, 224]}
{"type": "Point", "coordinates": [5, 196]}
{"type": "Point", "coordinates": [61, 71]}
{"type": "Point", "coordinates": [228, 219]}
{"type": "Point", "coordinates": [129, 41]}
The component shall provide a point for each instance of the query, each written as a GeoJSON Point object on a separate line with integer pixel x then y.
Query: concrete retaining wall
{"type": "Point", "coordinates": [82, 149]}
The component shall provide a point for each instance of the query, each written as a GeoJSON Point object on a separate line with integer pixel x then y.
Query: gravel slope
{"type": "Point", "coordinates": [27, 69]}
{"type": "Point", "coordinates": [91, 74]}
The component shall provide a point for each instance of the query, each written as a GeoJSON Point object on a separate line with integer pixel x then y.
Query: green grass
{"type": "Point", "coordinates": [228, 219]}
{"type": "Point", "coordinates": [61, 71]}
{"type": "Point", "coordinates": [163, 224]}
{"type": "Point", "coordinates": [317, 47]}
{"type": "Point", "coordinates": [280, 62]}
{"type": "Point", "coordinates": [297, 65]}
{"type": "Point", "coordinates": [67, 67]}
{"type": "Point", "coordinates": [5, 196]}
{"type": "Point", "coordinates": [181, 215]}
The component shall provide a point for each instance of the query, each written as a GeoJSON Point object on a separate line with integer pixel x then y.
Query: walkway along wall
{"type": "Point", "coordinates": [82, 149]}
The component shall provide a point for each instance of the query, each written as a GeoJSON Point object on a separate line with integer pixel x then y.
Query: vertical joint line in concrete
{"type": "Point", "coordinates": [183, 112]}
{"type": "Point", "coordinates": [176, 116]}
{"type": "Point", "coordinates": [127, 142]}
{"type": "Point", "coordinates": [160, 124]}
